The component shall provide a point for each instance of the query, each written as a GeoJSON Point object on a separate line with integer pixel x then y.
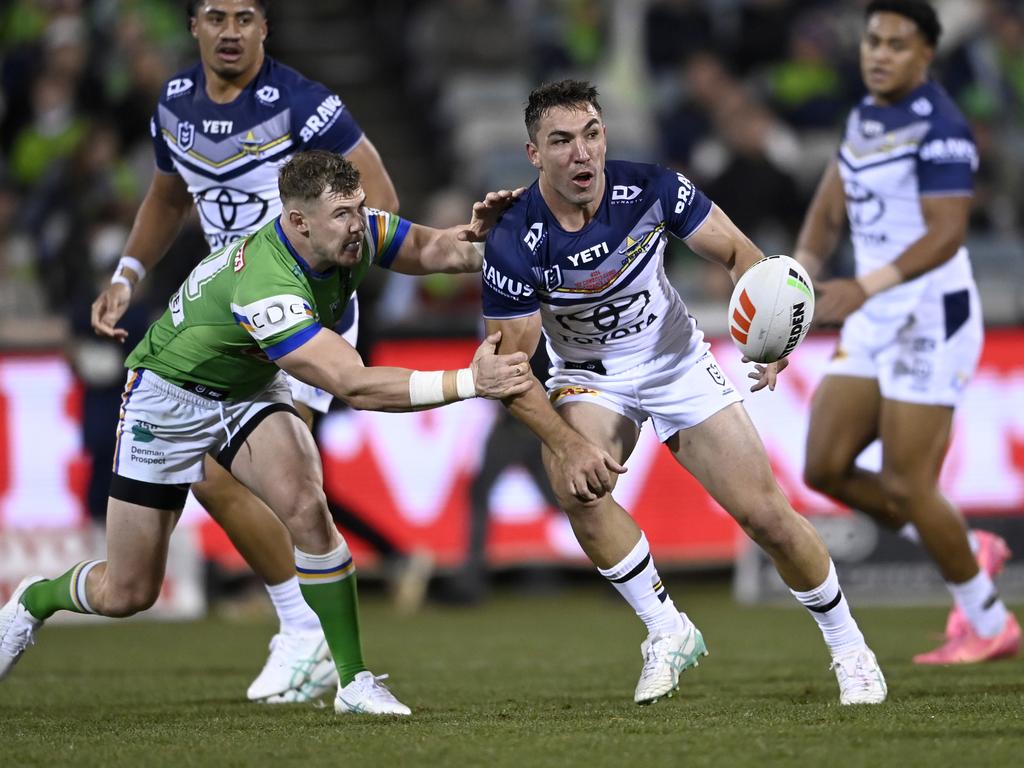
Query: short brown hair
{"type": "Point", "coordinates": [307, 174]}
{"type": "Point", "coordinates": [564, 93]}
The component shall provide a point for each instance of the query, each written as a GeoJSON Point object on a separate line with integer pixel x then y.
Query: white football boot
{"type": "Point", "coordinates": [299, 669]}
{"type": "Point", "coordinates": [367, 695]}
{"type": "Point", "coordinates": [860, 678]}
{"type": "Point", "coordinates": [666, 656]}
{"type": "Point", "coordinates": [17, 627]}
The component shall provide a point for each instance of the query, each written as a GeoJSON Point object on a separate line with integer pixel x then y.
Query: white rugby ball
{"type": "Point", "coordinates": [771, 309]}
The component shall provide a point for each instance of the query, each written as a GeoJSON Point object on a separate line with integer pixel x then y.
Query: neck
{"type": "Point", "coordinates": [300, 244]}
{"type": "Point", "coordinates": [894, 97]}
{"type": "Point", "coordinates": [222, 90]}
{"type": "Point", "coordinates": [571, 216]}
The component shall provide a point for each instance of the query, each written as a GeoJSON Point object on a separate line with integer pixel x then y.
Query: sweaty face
{"type": "Point", "coordinates": [570, 153]}
{"type": "Point", "coordinates": [894, 57]}
{"type": "Point", "coordinates": [336, 227]}
{"type": "Point", "coordinates": [230, 35]}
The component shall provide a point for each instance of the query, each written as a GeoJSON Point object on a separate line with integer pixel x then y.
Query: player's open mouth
{"type": "Point", "coordinates": [584, 179]}
{"type": "Point", "coordinates": [229, 53]}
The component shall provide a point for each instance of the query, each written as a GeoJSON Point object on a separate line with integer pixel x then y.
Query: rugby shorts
{"type": "Point", "coordinates": [927, 358]}
{"type": "Point", "coordinates": [675, 391]}
{"type": "Point", "coordinates": [164, 431]}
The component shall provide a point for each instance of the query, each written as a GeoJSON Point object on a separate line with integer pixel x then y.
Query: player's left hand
{"type": "Point", "coordinates": [764, 375]}
{"type": "Point", "coordinates": [487, 212]}
{"type": "Point", "coordinates": [837, 300]}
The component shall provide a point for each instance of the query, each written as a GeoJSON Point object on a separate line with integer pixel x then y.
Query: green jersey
{"type": "Point", "coordinates": [251, 302]}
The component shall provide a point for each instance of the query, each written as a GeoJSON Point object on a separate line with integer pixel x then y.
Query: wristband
{"type": "Point", "coordinates": [440, 387]}
{"type": "Point", "coordinates": [128, 262]}
{"type": "Point", "coordinates": [880, 279]}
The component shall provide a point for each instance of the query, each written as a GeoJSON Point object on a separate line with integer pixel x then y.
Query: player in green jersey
{"type": "Point", "coordinates": [206, 380]}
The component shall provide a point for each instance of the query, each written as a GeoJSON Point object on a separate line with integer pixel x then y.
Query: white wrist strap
{"type": "Point", "coordinates": [128, 262]}
{"type": "Point", "coordinates": [427, 387]}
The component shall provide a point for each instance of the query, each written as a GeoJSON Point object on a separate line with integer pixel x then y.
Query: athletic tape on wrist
{"type": "Point", "coordinates": [128, 262]}
{"type": "Point", "coordinates": [464, 383]}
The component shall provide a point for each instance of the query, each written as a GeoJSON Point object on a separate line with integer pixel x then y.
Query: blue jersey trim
{"type": "Point", "coordinates": [293, 342]}
{"type": "Point", "coordinates": [388, 257]}
{"type": "Point", "coordinates": [298, 259]}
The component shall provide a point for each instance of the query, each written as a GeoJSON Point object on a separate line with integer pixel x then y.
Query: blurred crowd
{"type": "Point", "coordinates": [746, 96]}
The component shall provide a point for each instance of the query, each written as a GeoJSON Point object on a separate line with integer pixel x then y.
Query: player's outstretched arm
{"type": "Point", "coordinates": [157, 223]}
{"type": "Point", "coordinates": [331, 363]}
{"type": "Point", "coordinates": [426, 250]}
{"type": "Point", "coordinates": [582, 469]}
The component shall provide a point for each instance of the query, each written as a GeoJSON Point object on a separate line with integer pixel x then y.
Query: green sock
{"type": "Point", "coordinates": [328, 584]}
{"type": "Point", "coordinates": [65, 593]}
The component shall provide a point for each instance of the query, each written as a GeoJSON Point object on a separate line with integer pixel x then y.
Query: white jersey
{"type": "Point", "coordinates": [889, 159]}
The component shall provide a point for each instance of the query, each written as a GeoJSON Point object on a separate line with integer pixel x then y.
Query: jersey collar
{"type": "Point", "coordinates": [298, 259]}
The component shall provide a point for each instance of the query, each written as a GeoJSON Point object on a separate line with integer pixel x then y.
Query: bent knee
{"type": "Point", "coordinates": [128, 601]}
{"type": "Point", "coordinates": [825, 476]}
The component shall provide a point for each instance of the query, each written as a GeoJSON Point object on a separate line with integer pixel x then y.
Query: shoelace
{"type": "Point", "coordinates": [654, 654]}
{"type": "Point", "coordinates": [861, 681]}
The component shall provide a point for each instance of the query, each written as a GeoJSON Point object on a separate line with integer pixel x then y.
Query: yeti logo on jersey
{"type": "Point", "coordinates": [217, 126]}
{"type": "Point", "coordinates": [505, 285]}
{"type": "Point", "coordinates": [268, 317]}
{"type": "Point", "coordinates": [268, 94]}
{"type": "Point", "coordinates": [231, 210]}
{"type": "Point", "coordinates": [534, 236]}
{"type": "Point", "coordinates": [186, 136]}
{"type": "Point", "coordinates": [625, 194]}
{"type": "Point", "coordinates": [863, 205]}
{"type": "Point", "coordinates": [613, 319]}
{"type": "Point", "coordinates": [177, 87]}
{"type": "Point", "coordinates": [323, 118]}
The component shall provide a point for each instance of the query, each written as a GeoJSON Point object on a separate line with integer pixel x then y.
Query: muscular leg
{"type": "Point", "coordinates": [280, 464]}
{"type": "Point", "coordinates": [845, 418]}
{"type": "Point", "coordinates": [725, 454]}
{"type": "Point", "coordinates": [914, 443]}
{"type": "Point", "coordinates": [605, 531]}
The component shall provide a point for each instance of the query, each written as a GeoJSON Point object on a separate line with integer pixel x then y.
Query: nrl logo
{"type": "Point", "coordinates": [186, 136]}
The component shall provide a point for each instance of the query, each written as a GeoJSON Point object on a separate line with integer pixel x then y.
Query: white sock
{"type": "Point", "coordinates": [828, 606]}
{"type": "Point", "coordinates": [980, 602]}
{"type": "Point", "coordinates": [637, 580]}
{"type": "Point", "coordinates": [909, 532]}
{"type": "Point", "coordinates": [293, 612]}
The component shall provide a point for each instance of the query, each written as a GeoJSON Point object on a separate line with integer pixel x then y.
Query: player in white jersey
{"type": "Point", "coordinates": [912, 325]}
{"type": "Point", "coordinates": [221, 131]}
{"type": "Point", "coordinates": [580, 256]}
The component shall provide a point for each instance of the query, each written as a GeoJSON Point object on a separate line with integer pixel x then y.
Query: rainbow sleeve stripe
{"type": "Point", "coordinates": [325, 575]}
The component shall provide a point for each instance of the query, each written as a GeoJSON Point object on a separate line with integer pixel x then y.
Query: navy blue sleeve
{"type": "Point", "coordinates": [160, 150]}
{"type": "Point", "coordinates": [322, 121]}
{"type": "Point", "coordinates": [685, 206]}
{"type": "Point", "coordinates": [947, 160]}
{"type": "Point", "coordinates": [509, 288]}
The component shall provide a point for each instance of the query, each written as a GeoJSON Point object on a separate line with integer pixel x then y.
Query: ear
{"type": "Point", "coordinates": [264, 30]}
{"type": "Point", "coordinates": [298, 220]}
{"type": "Point", "coordinates": [192, 27]}
{"type": "Point", "coordinates": [533, 154]}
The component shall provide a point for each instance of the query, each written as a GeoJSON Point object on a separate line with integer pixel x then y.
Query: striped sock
{"type": "Point", "coordinates": [829, 608]}
{"type": "Point", "coordinates": [328, 582]}
{"type": "Point", "coordinates": [65, 593]}
{"type": "Point", "coordinates": [637, 580]}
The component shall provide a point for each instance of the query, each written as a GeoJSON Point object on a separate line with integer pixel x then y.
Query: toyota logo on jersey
{"type": "Point", "coordinates": [620, 311]}
{"type": "Point", "coordinates": [231, 210]}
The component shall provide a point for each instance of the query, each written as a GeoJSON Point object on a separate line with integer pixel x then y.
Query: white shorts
{"type": "Point", "coordinates": [164, 431]}
{"type": "Point", "coordinates": [316, 398]}
{"type": "Point", "coordinates": [928, 359]}
{"type": "Point", "coordinates": [675, 392]}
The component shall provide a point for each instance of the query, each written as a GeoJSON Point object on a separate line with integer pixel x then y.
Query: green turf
{"type": "Point", "coordinates": [521, 682]}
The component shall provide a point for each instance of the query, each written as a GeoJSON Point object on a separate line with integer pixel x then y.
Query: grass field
{"type": "Point", "coordinates": [521, 682]}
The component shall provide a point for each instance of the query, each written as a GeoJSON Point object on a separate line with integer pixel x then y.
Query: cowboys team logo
{"type": "Point", "coordinates": [622, 311]}
{"type": "Point", "coordinates": [251, 144]}
{"type": "Point", "coordinates": [186, 136]}
{"type": "Point", "coordinates": [231, 210]}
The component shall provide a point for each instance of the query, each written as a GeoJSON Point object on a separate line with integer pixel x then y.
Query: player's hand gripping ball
{"type": "Point", "coordinates": [771, 309]}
